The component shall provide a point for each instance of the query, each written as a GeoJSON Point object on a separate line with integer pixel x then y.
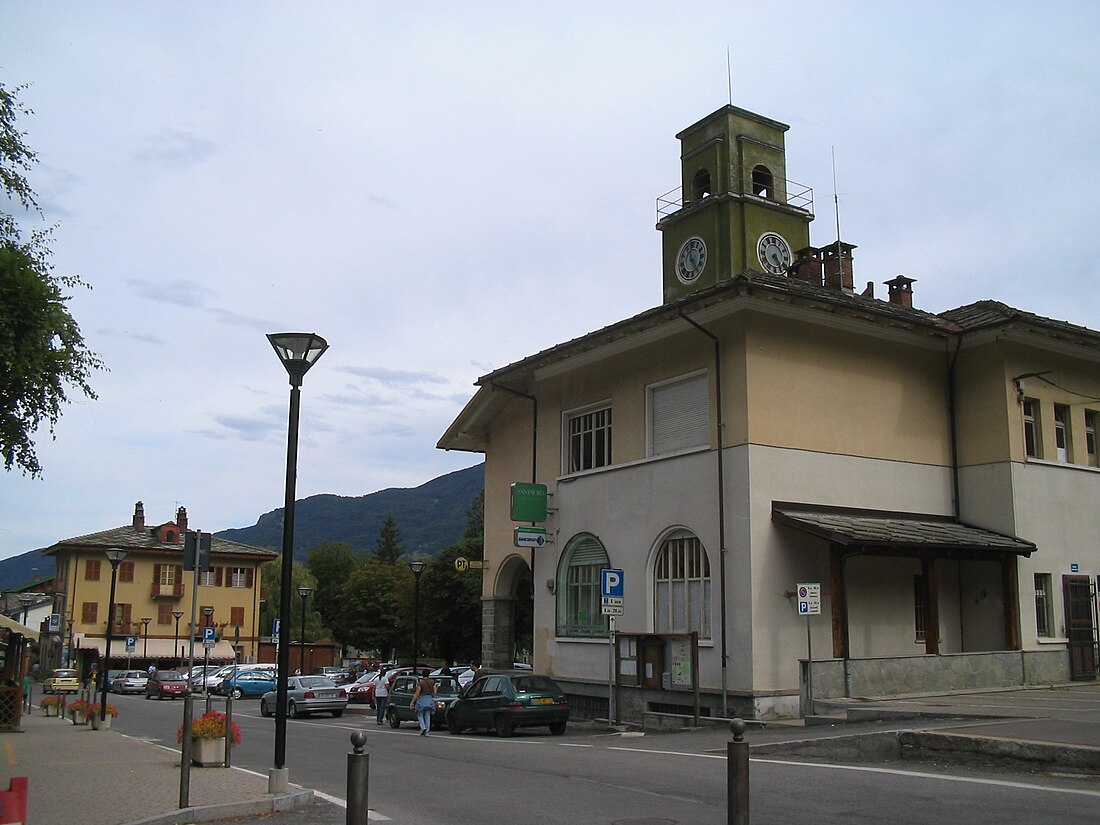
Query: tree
{"type": "Point", "coordinates": [41, 348]}
{"type": "Point", "coordinates": [376, 607]}
{"type": "Point", "coordinates": [331, 563]}
{"type": "Point", "coordinates": [451, 599]}
{"type": "Point", "coordinates": [388, 549]}
{"type": "Point", "coordinates": [271, 592]}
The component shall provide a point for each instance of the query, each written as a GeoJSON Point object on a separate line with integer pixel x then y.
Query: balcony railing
{"type": "Point", "coordinates": [167, 591]}
{"type": "Point", "coordinates": [797, 195]}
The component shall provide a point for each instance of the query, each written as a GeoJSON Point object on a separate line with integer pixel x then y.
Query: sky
{"type": "Point", "coordinates": [441, 189]}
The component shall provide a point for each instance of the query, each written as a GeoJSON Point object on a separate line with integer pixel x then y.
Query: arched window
{"type": "Point", "coordinates": [762, 182]}
{"type": "Point", "coordinates": [681, 586]}
{"type": "Point", "coordinates": [578, 587]}
{"type": "Point", "coordinates": [700, 185]}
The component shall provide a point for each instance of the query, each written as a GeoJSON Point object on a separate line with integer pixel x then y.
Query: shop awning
{"type": "Point", "coordinates": [156, 649]}
{"type": "Point", "coordinates": [875, 532]}
{"type": "Point", "coordinates": [15, 627]}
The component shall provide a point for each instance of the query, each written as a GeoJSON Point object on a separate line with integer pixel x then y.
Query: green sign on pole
{"type": "Point", "coordinates": [528, 502]}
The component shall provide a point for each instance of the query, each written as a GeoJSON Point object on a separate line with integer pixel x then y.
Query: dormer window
{"type": "Point", "coordinates": [763, 184]}
{"type": "Point", "coordinates": [700, 185]}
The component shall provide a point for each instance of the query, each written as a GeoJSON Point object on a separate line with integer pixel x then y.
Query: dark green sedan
{"type": "Point", "coordinates": [508, 700]}
{"type": "Point", "coordinates": [401, 694]}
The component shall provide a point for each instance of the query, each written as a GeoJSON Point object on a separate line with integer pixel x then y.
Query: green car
{"type": "Point", "coordinates": [509, 700]}
{"type": "Point", "coordinates": [401, 695]}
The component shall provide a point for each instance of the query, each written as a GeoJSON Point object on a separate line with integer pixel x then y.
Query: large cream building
{"type": "Point", "coordinates": [769, 426]}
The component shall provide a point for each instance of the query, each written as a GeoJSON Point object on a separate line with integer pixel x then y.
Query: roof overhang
{"type": "Point", "coordinates": [14, 626]}
{"type": "Point", "coordinates": [158, 648]}
{"type": "Point", "coordinates": [882, 533]}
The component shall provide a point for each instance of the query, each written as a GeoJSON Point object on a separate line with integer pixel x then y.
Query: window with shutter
{"type": "Point", "coordinates": [578, 602]}
{"type": "Point", "coordinates": [678, 414]}
{"type": "Point", "coordinates": [251, 578]}
{"type": "Point", "coordinates": [89, 613]}
{"type": "Point", "coordinates": [218, 576]}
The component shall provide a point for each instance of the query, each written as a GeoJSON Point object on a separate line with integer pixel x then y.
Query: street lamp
{"type": "Point", "coordinates": [298, 351]}
{"type": "Point", "coordinates": [304, 593]}
{"type": "Point", "coordinates": [145, 636]}
{"type": "Point", "coordinates": [114, 556]}
{"type": "Point", "coordinates": [177, 615]}
{"type": "Point", "coordinates": [417, 567]}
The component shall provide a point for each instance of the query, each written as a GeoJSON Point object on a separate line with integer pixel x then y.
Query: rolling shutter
{"type": "Point", "coordinates": [679, 415]}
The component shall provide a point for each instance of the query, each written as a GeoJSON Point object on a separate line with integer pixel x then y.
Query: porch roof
{"type": "Point", "coordinates": [877, 532]}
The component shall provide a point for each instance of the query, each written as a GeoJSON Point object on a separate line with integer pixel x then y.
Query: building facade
{"type": "Point", "coordinates": [153, 597]}
{"type": "Point", "coordinates": [769, 426]}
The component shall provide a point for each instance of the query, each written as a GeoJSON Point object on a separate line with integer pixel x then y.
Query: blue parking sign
{"type": "Point", "coordinates": [611, 582]}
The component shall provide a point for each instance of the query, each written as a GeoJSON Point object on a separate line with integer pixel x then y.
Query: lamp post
{"type": "Point", "coordinates": [145, 636]}
{"type": "Point", "coordinates": [304, 593]}
{"type": "Point", "coordinates": [298, 351]}
{"type": "Point", "coordinates": [114, 556]}
{"type": "Point", "coordinates": [177, 615]}
{"type": "Point", "coordinates": [417, 567]}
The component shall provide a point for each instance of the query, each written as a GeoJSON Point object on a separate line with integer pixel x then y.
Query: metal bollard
{"type": "Point", "coordinates": [737, 775]}
{"type": "Point", "coordinates": [358, 780]}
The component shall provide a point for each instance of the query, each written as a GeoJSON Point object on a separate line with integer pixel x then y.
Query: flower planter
{"type": "Point", "coordinates": [208, 753]}
{"type": "Point", "coordinates": [104, 724]}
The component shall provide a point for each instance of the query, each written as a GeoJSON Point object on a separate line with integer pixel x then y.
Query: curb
{"type": "Point", "coordinates": [272, 803]}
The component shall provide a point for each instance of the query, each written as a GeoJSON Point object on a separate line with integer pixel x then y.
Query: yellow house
{"type": "Point", "coordinates": [930, 478]}
{"type": "Point", "coordinates": [153, 596]}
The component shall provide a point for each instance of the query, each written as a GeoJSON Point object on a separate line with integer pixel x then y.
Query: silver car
{"type": "Point", "coordinates": [130, 681]}
{"type": "Point", "coordinates": [305, 695]}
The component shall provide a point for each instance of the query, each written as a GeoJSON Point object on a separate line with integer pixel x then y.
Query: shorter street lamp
{"type": "Point", "coordinates": [145, 636]}
{"type": "Point", "coordinates": [114, 556]}
{"type": "Point", "coordinates": [304, 593]}
{"type": "Point", "coordinates": [177, 615]}
{"type": "Point", "coordinates": [417, 567]}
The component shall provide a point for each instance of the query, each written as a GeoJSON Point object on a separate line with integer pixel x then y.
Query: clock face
{"type": "Point", "coordinates": [774, 253]}
{"type": "Point", "coordinates": [691, 259]}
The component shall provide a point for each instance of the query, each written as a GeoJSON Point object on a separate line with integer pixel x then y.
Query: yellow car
{"type": "Point", "coordinates": [61, 680]}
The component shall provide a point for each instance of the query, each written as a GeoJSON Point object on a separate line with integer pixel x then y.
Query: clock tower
{"type": "Point", "coordinates": [737, 212]}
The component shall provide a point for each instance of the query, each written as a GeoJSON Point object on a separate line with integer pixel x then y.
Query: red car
{"type": "Point", "coordinates": [166, 683]}
{"type": "Point", "coordinates": [362, 691]}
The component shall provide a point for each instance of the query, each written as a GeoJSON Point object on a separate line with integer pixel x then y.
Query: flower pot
{"type": "Point", "coordinates": [208, 753]}
{"type": "Point", "coordinates": [104, 724]}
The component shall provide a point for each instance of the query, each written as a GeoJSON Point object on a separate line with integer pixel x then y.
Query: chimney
{"type": "Point", "coordinates": [181, 520]}
{"type": "Point", "coordinates": [869, 292]}
{"type": "Point", "coordinates": [837, 265]}
{"type": "Point", "coordinates": [901, 291]}
{"type": "Point", "coordinates": [807, 266]}
{"type": "Point", "coordinates": [139, 517]}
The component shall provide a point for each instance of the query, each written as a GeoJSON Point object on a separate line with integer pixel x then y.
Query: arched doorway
{"type": "Point", "coordinates": [508, 615]}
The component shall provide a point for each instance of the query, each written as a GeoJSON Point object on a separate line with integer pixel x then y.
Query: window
{"type": "Point", "coordinates": [207, 578]}
{"type": "Point", "coordinates": [679, 415]}
{"type": "Point", "coordinates": [1061, 432]}
{"type": "Point", "coordinates": [578, 605]}
{"type": "Point", "coordinates": [1044, 607]}
{"type": "Point", "coordinates": [1031, 428]}
{"type": "Point", "coordinates": [91, 570]}
{"type": "Point", "coordinates": [700, 185]}
{"type": "Point", "coordinates": [122, 616]}
{"type": "Point", "coordinates": [589, 443]}
{"type": "Point", "coordinates": [919, 598]}
{"type": "Point", "coordinates": [238, 577]}
{"type": "Point", "coordinates": [681, 594]}
{"type": "Point", "coordinates": [164, 614]}
{"type": "Point", "coordinates": [762, 182]}
{"type": "Point", "coordinates": [167, 575]}
{"type": "Point", "coordinates": [236, 616]}
{"type": "Point", "coordinates": [1090, 438]}
{"type": "Point", "coordinates": [126, 571]}
{"type": "Point", "coordinates": [89, 613]}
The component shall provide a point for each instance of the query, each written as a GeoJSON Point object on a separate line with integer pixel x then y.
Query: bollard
{"type": "Point", "coordinates": [229, 731]}
{"type": "Point", "coordinates": [737, 775]}
{"type": "Point", "coordinates": [358, 780]}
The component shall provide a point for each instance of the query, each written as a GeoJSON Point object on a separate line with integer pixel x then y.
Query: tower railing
{"type": "Point", "coordinates": [799, 196]}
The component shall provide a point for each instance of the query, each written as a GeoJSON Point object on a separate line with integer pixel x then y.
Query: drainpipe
{"type": "Point", "coordinates": [721, 507]}
{"type": "Point", "coordinates": [951, 420]}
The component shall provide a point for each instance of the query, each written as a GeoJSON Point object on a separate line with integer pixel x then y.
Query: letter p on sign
{"type": "Point", "coordinates": [611, 582]}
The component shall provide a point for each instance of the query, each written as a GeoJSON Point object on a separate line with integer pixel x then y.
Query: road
{"type": "Point", "coordinates": [595, 777]}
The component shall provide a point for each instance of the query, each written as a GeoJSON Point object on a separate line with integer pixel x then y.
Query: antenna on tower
{"type": "Point", "coordinates": [729, 75]}
{"type": "Point", "coordinates": [836, 202]}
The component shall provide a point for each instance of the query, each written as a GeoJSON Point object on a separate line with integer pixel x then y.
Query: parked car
{"type": "Point", "coordinates": [129, 681]}
{"type": "Point", "coordinates": [305, 695]}
{"type": "Point", "coordinates": [212, 681]}
{"type": "Point", "coordinates": [404, 688]}
{"type": "Point", "coordinates": [248, 683]}
{"type": "Point", "coordinates": [363, 692]}
{"type": "Point", "coordinates": [340, 675]}
{"type": "Point", "coordinates": [508, 700]}
{"type": "Point", "coordinates": [358, 692]}
{"type": "Point", "coordinates": [61, 680]}
{"type": "Point", "coordinates": [166, 683]}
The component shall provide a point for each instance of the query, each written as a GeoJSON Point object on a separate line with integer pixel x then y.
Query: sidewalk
{"type": "Point", "coordinates": [83, 776]}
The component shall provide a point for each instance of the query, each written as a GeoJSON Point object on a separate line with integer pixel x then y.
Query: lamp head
{"type": "Point", "coordinates": [298, 351]}
{"type": "Point", "coordinates": [304, 591]}
{"type": "Point", "coordinates": [115, 555]}
{"type": "Point", "coordinates": [417, 567]}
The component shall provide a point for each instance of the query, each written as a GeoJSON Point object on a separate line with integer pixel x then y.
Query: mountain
{"type": "Point", "coordinates": [430, 517]}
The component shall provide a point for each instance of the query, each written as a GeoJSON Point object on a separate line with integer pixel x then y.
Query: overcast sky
{"type": "Point", "coordinates": [440, 189]}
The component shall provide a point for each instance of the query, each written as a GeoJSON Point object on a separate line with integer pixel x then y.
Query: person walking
{"type": "Point", "coordinates": [423, 702]}
{"type": "Point", "coordinates": [381, 695]}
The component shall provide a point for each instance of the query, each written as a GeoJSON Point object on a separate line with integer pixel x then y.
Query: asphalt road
{"type": "Point", "coordinates": [594, 777]}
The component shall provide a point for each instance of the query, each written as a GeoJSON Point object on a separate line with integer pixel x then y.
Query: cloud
{"type": "Point", "coordinates": [179, 292]}
{"type": "Point", "coordinates": [394, 379]}
{"type": "Point", "coordinates": [176, 149]}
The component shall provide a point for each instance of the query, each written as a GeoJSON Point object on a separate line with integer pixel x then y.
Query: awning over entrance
{"type": "Point", "coordinates": [13, 625]}
{"type": "Point", "coordinates": [903, 534]}
{"type": "Point", "coordinates": [157, 649]}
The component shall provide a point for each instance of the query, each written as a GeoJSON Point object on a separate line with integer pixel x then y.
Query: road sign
{"type": "Point", "coordinates": [809, 599]}
{"type": "Point", "coordinates": [529, 537]}
{"type": "Point", "coordinates": [611, 582]}
{"type": "Point", "coordinates": [463, 564]}
{"type": "Point", "coordinates": [131, 643]}
{"type": "Point", "coordinates": [611, 610]}
{"type": "Point", "coordinates": [209, 636]}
